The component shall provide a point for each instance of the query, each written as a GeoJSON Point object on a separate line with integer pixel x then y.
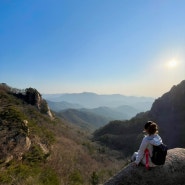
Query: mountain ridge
{"type": "Point", "coordinates": [101, 115]}
{"type": "Point", "coordinates": [93, 100]}
{"type": "Point", "coordinates": [84, 119]}
{"type": "Point", "coordinates": [103, 107]}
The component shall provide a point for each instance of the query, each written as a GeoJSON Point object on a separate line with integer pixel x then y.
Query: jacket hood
{"type": "Point", "coordinates": [154, 139]}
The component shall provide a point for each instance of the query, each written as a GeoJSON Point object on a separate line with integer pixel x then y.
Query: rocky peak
{"type": "Point", "coordinates": [171, 102]}
{"type": "Point", "coordinates": [33, 97]}
{"type": "Point", "coordinates": [168, 111]}
{"type": "Point", "coordinates": [172, 172]}
{"type": "Point", "coordinates": [29, 95]}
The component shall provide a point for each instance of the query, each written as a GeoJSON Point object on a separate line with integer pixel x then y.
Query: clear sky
{"type": "Point", "coordinates": [129, 47]}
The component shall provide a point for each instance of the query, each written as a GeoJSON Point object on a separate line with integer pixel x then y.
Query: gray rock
{"type": "Point", "coordinates": [172, 172]}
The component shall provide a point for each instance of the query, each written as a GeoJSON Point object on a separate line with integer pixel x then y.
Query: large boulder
{"type": "Point", "coordinates": [172, 172]}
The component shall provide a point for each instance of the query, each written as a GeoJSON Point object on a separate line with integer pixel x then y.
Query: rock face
{"type": "Point", "coordinates": [173, 172]}
{"type": "Point", "coordinates": [14, 140]}
{"type": "Point", "coordinates": [33, 97]}
{"type": "Point", "coordinates": [169, 112]}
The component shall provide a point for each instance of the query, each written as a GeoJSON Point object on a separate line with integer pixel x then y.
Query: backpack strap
{"type": "Point", "coordinates": [147, 158]}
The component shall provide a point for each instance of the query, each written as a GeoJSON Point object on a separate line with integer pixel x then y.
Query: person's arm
{"type": "Point", "coordinates": [141, 151]}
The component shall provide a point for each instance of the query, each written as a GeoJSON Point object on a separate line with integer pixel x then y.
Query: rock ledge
{"type": "Point", "coordinates": [172, 172]}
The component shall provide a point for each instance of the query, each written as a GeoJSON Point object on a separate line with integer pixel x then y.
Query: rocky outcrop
{"type": "Point", "coordinates": [169, 112]}
{"type": "Point", "coordinates": [29, 95]}
{"type": "Point", "coordinates": [33, 97]}
{"type": "Point", "coordinates": [14, 140]}
{"type": "Point", "coordinates": [173, 172]}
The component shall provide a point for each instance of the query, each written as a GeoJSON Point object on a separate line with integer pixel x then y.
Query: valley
{"type": "Point", "coordinates": [77, 145]}
{"type": "Point", "coordinates": [93, 110]}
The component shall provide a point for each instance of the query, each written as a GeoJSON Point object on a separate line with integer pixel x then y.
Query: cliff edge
{"type": "Point", "coordinates": [172, 172]}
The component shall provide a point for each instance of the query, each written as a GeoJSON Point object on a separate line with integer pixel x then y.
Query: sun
{"type": "Point", "coordinates": [172, 63]}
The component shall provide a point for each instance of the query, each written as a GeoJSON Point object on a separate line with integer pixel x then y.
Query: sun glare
{"type": "Point", "coordinates": [172, 63]}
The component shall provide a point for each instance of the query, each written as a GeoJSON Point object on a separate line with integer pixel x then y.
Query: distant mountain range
{"type": "Point", "coordinates": [83, 108]}
{"type": "Point", "coordinates": [63, 105]}
{"type": "Point", "coordinates": [93, 100]}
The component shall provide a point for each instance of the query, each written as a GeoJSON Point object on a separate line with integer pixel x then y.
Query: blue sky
{"type": "Point", "coordinates": [130, 47]}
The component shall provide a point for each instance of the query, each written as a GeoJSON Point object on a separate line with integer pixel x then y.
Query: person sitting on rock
{"type": "Point", "coordinates": [152, 138]}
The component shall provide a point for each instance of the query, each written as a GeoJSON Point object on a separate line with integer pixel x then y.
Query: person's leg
{"type": "Point", "coordinates": [133, 158]}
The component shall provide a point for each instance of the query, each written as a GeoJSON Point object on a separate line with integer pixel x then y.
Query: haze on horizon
{"type": "Point", "coordinates": [102, 46]}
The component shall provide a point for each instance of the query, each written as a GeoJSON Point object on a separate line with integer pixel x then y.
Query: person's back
{"type": "Point", "coordinates": [152, 138]}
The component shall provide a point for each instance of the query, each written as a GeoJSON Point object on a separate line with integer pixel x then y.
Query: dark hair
{"type": "Point", "coordinates": [151, 127]}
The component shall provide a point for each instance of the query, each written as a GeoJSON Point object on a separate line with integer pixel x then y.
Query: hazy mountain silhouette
{"type": "Point", "coordinates": [102, 107]}
{"type": "Point", "coordinates": [63, 105]}
{"type": "Point", "coordinates": [95, 118]}
{"type": "Point", "coordinates": [92, 100]}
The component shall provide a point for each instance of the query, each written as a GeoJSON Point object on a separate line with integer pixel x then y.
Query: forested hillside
{"type": "Point", "coordinates": [168, 111]}
{"type": "Point", "coordinates": [38, 148]}
{"type": "Point", "coordinates": [91, 119]}
{"type": "Point", "coordinates": [83, 119]}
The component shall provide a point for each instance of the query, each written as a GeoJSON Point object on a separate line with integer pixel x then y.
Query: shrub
{"type": "Point", "coordinates": [49, 177]}
{"type": "Point", "coordinates": [76, 178]}
{"type": "Point", "coordinates": [94, 179]}
{"type": "Point", "coordinates": [12, 114]}
{"type": "Point", "coordinates": [35, 155]}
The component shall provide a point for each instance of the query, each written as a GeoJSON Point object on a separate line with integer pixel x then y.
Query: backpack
{"type": "Point", "coordinates": [159, 154]}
